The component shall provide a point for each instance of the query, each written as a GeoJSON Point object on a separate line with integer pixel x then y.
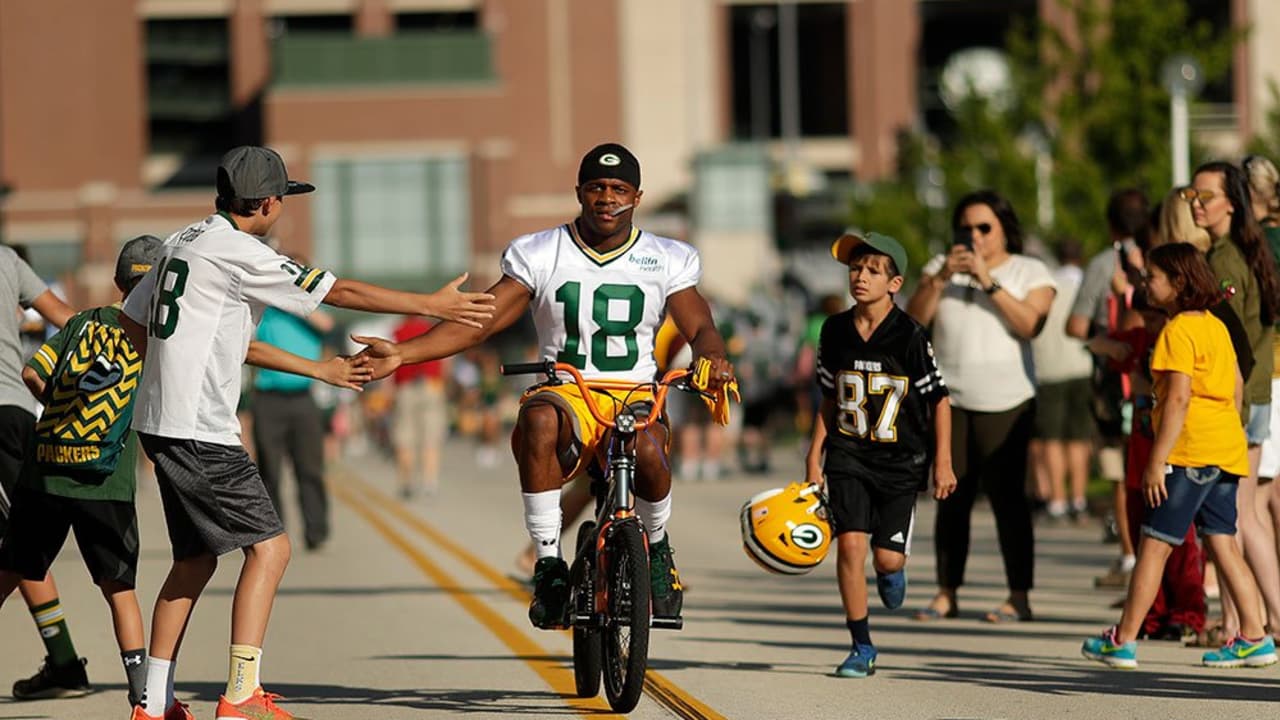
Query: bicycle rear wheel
{"type": "Point", "coordinates": [586, 640]}
{"type": "Point", "coordinates": [626, 631]}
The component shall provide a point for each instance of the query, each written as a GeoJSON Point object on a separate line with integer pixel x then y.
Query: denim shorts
{"type": "Point", "coordinates": [1258, 428]}
{"type": "Point", "coordinates": [1204, 495]}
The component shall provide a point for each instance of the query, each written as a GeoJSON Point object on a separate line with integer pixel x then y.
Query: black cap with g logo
{"type": "Point", "coordinates": [610, 160]}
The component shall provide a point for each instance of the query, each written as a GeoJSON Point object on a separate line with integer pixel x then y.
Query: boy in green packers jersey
{"type": "Point", "coordinates": [80, 472]}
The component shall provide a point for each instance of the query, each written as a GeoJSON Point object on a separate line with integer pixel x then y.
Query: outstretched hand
{"type": "Point", "coordinates": [346, 372]}
{"type": "Point", "coordinates": [381, 355]}
{"type": "Point", "coordinates": [467, 308]}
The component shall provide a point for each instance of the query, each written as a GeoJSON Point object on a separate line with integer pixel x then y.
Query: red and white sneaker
{"type": "Point", "coordinates": [176, 711]}
{"type": "Point", "coordinates": [260, 706]}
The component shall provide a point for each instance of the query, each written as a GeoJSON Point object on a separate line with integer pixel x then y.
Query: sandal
{"type": "Point", "coordinates": [931, 613]}
{"type": "Point", "coordinates": [1006, 614]}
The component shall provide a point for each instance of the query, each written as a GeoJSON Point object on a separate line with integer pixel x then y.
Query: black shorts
{"type": "Point", "coordinates": [17, 426]}
{"type": "Point", "coordinates": [106, 532]}
{"type": "Point", "coordinates": [214, 499]}
{"type": "Point", "coordinates": [857, 505]}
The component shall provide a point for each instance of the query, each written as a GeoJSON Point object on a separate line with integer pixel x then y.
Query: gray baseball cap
{"type": "Point", "coordinates": [136, 258]}
{"type": "Point", "coordinates": [250, 172]}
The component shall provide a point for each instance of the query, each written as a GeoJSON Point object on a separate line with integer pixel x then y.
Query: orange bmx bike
{"type": "Point", "coordinates": [609, 600]}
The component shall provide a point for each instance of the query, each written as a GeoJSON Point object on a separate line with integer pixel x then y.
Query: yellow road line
{"type": "Point", "coordinates": [553, 673]}
{"type": "Point", "coordinates": [658, 687]}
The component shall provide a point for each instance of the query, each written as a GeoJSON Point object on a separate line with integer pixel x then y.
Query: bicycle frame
{"type": "Point", "coordinates": [616, 503]}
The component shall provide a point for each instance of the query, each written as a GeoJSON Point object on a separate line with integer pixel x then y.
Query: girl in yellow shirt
{"type": "Point", "coordinates": [1197, 458]}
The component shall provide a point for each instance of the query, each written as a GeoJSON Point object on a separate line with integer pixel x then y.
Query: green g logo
{"type": "Point", "coordinates": [807, 536]}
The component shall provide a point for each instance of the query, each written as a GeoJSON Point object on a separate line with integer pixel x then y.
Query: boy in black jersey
{"type": "Point", "coordinates": [885, 417]}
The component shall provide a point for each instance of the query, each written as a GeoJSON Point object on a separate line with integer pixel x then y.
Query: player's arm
{"type": "Point", "coordinates": [136, 333]}
{"type": "Point", "coordinates": [447, 303]}
{"type": "Point", "coordinates": [511, 299]}
{"type": "Point", "coordinates": [350, 373]}
{"type": "Point", "coordinates": [692, 316]}
{"type": "Point", "coordinates": [52, 308]}
{"type": "Point", "coordinates": [944, 475]}
{"type": "Point", "coordinates": [42, 364]}
{"type": "Point", "coordinates": [813, 459]}
{"type": "Point", "coordinates": [33, 382]}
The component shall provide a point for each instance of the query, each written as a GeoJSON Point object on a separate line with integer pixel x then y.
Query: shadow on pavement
{"type": "Point", "coordinates": [504, 702]}
{"type": "Point", "coordinates": [361, 591]}
{"type": "Point", "coordinates": [1033, 674]}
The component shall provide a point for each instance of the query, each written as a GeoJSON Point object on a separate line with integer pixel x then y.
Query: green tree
{"type": "Point", "coordinates": [1100, 98]}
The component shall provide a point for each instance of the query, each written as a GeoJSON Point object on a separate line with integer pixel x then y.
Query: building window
{"type": "Point", "coordinates": [394, 220]}
{"type": "Point", "coordinates": [731, 190]}
{"type": "Point", "coordinates": [437, 21]}
{"type": "Point", "coordinates": [188, 85]}
{"type": "Point", "coordinates": [325, 24]}
{"type": "Point", "coordinates": [823, 60]}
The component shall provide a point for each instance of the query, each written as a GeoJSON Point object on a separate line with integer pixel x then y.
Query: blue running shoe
{"type": "Point", "coordinates": [860, 663]}
{"type": "Point", "coordinates": [893, 588]}
{"type": "Point", "coordinates": [1107, 651]}
{"type": "Point", "coordinates": [1242, 653]}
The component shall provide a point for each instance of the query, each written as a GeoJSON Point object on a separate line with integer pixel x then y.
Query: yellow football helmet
{"type": "Point", "coordinates": [785, 530]}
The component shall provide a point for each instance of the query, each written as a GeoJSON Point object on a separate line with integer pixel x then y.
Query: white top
{"type": "Point", "coordinates": [600, 312]}
{"type": "Point", "coordinates": [987, 367]}
{"type": "Point", "coordinates": [1060, 357]}
{"type": "Point", "coordinates": [201, 304]}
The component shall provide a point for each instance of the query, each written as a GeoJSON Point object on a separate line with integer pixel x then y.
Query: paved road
{"type": "Point", "coordinates": [411, 613]}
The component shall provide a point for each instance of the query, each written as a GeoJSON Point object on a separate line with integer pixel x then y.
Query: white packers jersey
{"type": "Point", "coordinates": [201, 305]}
{"type": "Point", "coordinates": [600, 312]}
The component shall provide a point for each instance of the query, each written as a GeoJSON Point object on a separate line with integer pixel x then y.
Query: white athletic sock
{"type": "Point", "coordinates": [157, 697]}
{"type": "Point", "coordinates": [542, 520]}
{"type": "Point", "coordinates": [655, 516]}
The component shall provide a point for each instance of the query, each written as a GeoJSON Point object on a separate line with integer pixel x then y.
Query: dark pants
{"type": "Point", "coordinates": [17, 425]}
{"type": "Point", "coordinates": [290, 424]}
{"type": "Point", "coordinates": [989, 453]}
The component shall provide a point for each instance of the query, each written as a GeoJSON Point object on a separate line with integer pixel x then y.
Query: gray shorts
{"type": "Point", "coordinates": [214, 499]}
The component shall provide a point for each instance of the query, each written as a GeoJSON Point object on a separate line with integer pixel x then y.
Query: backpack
{"type": "Point", "coordinates": [88, 400]}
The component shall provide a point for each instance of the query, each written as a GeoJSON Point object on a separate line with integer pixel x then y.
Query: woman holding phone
{"type": "Point", "coordinates": [985, 301]}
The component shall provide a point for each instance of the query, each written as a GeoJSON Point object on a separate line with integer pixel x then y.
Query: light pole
{"type": "Point", "coordinates": [1183, 78]}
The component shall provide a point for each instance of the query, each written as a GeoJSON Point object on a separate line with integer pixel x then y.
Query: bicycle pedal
{"type": "Point", "coordinates": [667, 623]}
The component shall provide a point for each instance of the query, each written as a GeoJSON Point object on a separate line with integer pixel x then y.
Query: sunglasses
{"type": "Point", "coordinates": [982, 228]}
{"type": "Point", "coordinates": [1191, 195]}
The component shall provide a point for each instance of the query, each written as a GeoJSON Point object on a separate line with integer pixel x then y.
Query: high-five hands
{"type": "Point", "coordinates": [348, 372]}
{"type": "Point", "coordinates": [382, 355]}
{"type": "Point", "coordinates": [468, 308]}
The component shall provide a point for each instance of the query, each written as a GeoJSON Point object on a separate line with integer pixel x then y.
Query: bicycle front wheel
{"type": "Point", "coordinates": [626, 631]}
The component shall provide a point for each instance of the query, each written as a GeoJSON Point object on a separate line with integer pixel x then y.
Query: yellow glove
{"type": "Point", "coordinates": [719, 405]}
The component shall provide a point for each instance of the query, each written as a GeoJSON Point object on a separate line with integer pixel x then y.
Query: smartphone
{"type": "Point", "coordinates": [963, 237]}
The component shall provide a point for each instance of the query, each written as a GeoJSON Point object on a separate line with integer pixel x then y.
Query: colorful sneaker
{"type": "Point", "coordinates": [664, 581]}
{"type": "Point", "coordinates": [260, 706]}
{"type": "Point", "coordinates": [860, 663]}
{"type": "Point", "coordinates": [54, 681]}
{"type": "Point", "coordinates": [176, 711]}
{"type": "Point", "coordinates": [549, 609]}
{"type": "Point", "coordinates": [1242, 653]}
{"type": "Point", "coordinates": [893, 588]}
{"type": "Point", "coordinates": [1107, 651]}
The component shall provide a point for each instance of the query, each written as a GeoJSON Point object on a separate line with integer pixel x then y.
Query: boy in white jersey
{"type": "Point", "coordinates": [193, 316]}
{"type": "Point", "coordinates": [598, 287]}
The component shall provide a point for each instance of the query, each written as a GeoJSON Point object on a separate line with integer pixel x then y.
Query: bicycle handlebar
{"type": "Point", "coordinates": [551, 367]}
